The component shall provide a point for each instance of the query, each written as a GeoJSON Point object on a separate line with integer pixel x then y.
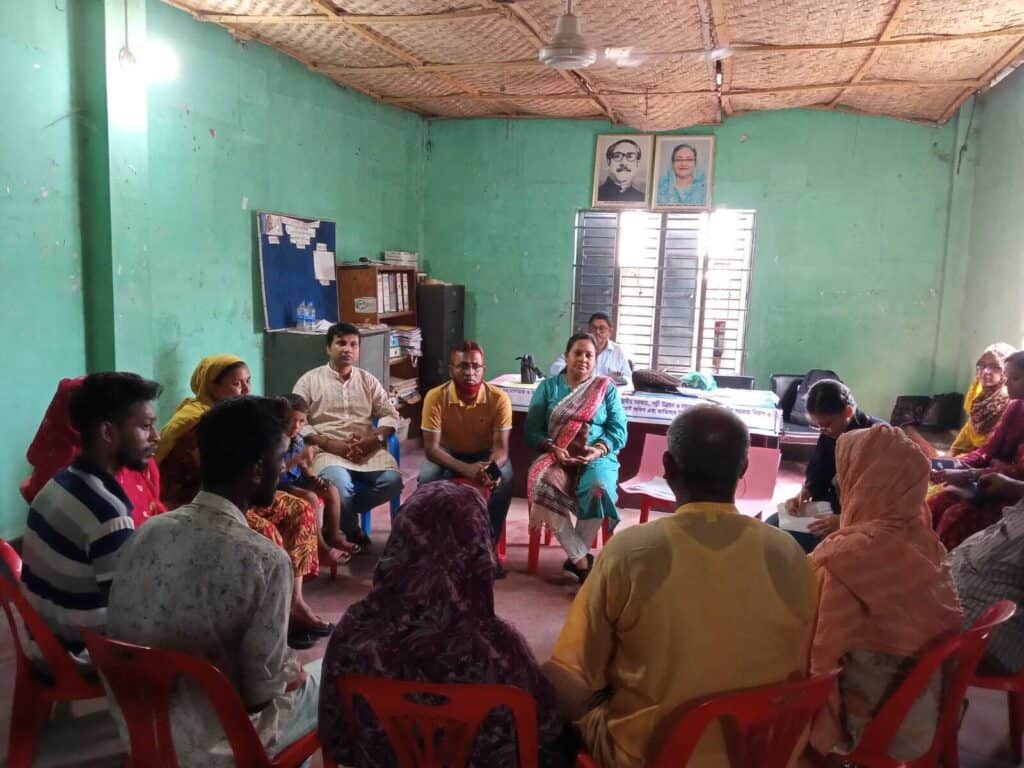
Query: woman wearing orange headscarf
{"type": "Point", "coordinates": [290, 523]}
{"type": "Point", "coordinates": [885, 590]}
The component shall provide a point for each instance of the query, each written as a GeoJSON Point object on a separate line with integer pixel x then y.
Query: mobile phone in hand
{"type": "Point", "coordinates": [493, 471]}
{"type": "Point", "coordinates": [941, 462]}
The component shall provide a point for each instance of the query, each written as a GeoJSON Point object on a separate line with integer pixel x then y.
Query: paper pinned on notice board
{"type": "Point", "coordinates": [323, 266]}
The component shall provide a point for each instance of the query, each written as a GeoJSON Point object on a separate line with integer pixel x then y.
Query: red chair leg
{"type": "Point", "coordinates": [606, 531]}
{"type": "Point", "coordinates": [502, 545]}
{"type": "Point", "coordinates": [645, 510]}
{"type": "Point", "coordinates": [29, 714]}
{"type": "Point", "coordinates": [533, 557]}
{"type": "Point", "coordinates": [1014, 701]}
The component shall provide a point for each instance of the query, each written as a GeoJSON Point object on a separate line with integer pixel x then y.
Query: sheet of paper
{"type": "Point", "coordinates": [788, 522]}
{"type": "Point", "coordinates": [323, 266]}
{"type": "Point", "coordinates": [655, 487]}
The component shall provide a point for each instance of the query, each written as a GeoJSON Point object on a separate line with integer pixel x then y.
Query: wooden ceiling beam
{"type": "Point", "coordinates": [869, 61]}
{"type": "Point", "coordinates": [1014, 51]}
{"type": "Point", "coordinates": [739, 50]}
{"type": "Point", "coordinates": [576, 96]}
{"type": "Point", "coordinates": [243, 33]}
{"type": "Point", "coordinates": [390, 46]}
{"type": "Point", "coordinates": [723, 39]}
{"type": "Point", "coordinates": [351, 18]}
{"type": "Point", "coordinates": [527, 27]}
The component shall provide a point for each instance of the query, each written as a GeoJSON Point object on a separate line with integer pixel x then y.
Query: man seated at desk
{"type": "Point", "coordinates": [611, 358]}
{"type": "Point", "coordinates": [466, 426]}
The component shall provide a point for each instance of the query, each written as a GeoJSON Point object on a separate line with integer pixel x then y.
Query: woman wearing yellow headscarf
{"type": "Point", "coordinates": [290, 522]}
{"type": "Point", "coordinates": [986, 399]}
{"type": "Point", "coordinates": [984, 404]}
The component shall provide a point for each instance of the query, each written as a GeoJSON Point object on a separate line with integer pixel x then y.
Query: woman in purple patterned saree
{"type": "Point", "coordinates": [430, 616]}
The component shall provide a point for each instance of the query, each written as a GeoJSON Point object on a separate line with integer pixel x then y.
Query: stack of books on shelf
{"type": "Point", "coordinates": [393, 292]}
{"type": "Point", "coordinates": [401, 258]}
{"type": "Point", "coordinates": [410, 340]}
{"type": "Point", "coordinates": [404, 391]}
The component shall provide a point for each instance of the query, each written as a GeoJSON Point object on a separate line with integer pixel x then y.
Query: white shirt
{"type": "Point", "coordinates": [340, 408]}
{"type": "Point", "coordinates": [610, 362]}
{"type": "Point", "coordinates": [201, 581]}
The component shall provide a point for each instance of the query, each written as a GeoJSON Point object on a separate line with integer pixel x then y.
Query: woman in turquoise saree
{"type": "Point", "coordinates": [577, 423]}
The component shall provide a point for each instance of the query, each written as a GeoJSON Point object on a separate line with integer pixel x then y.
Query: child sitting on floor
{"type": "Point", "coordinates": [297, 480]}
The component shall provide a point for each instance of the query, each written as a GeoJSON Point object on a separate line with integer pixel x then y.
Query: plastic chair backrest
{"type": "Point", "coordinates": [67, 678]}
{"type": "Point", "coordinates": [966, 649]}
{"type": "Point", "coordinates": [758, 483]}
{"type": "Point", "coordinates": [143, 680]}
{"type": "Point", "coordinates": [766, 723]}
{"type": "Point", "coordinates": [650, 460]}
{"type": "Point", "coordinates": [439, 729]}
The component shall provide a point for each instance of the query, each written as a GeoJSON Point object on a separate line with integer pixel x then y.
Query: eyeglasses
{"type": "Point", "coordinates": [990, 368]}
{"type": "Point", "coordinates": [469, 367]}
{"type": "Point", "coordinates": [630, 156]}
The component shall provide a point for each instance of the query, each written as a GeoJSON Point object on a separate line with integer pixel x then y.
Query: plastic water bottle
{"type": "Point", "coordinates": [311, 315]}
{"type": "Point", "coordinates": [300, 316]}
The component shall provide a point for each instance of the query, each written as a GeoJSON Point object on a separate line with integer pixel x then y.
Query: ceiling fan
{"type": "Point", "coordinates": [569, 50]}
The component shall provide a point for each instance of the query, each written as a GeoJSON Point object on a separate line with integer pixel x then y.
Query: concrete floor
{"type": "Point", "coordinates": [537, 606]}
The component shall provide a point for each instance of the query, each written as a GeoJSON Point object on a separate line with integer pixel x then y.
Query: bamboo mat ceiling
{"type": "Point", "coordinates": [908, 59]}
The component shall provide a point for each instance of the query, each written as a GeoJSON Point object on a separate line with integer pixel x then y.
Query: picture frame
{"type": "Point", "coordinates": [668, 191]}
{"type": "Point", "coordinates": [622, 182]}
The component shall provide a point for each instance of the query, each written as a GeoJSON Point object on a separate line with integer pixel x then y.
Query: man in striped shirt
{"type": "Point", "coordinates": [80, 519]}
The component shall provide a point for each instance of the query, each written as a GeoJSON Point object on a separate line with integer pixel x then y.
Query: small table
{"type": "Point", "coordinates": [646, 412]}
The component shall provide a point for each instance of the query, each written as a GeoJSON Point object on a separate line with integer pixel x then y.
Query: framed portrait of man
{"type": "Point", "coordinates": [683, 168]}
{"type": "Point", "coordinates": [622, 171]}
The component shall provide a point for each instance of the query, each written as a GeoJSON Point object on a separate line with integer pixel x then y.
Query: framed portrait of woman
{"type": "Point", "coordinates": [683, 170]}
{"type": "Point", "coordinates": [622, 170]}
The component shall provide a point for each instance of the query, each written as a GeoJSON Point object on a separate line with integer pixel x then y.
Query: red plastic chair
{"type": "Point", "coordinates": [769, 722]}
{"type": "Point", "coordinates": [533, 553]}
{"type": "Point", "coordinates": [143, 679]}
{"type": "Point", "coordinates": [1014, 687]}
{"type": "Point", "coordinates": [36, 687]}
{"type": "Point", "coordinates": [965, 651]}
{"type": "Point", "coordinates": [431, 735]}
{"type": "Point", "coordinates": [484, 491]}
{"type": "Point", "coordinates": [753, 494]}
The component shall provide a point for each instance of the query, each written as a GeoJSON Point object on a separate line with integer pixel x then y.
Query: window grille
{"type": "Point", "coordinates": [677, 285]}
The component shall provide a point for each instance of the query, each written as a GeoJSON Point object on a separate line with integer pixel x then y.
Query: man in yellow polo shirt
{"type": "Point", "coordinates": [466, 426]}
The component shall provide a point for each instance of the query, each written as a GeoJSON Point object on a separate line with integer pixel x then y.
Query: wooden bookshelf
{"type": "Point", "coordinates": [377, 293]}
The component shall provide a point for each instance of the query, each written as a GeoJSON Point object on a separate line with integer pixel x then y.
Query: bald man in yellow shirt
{"type": "Point", "coordinates": [693, 604]}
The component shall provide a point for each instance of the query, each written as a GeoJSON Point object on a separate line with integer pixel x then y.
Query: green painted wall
{"type": "Point", "coordinates": [850, 247]}
{"type": "Point", "coordinates": [166, 185]}
{"type": "Point", "coordinates": [244, 128]}
{"type": "Point", "coordinates": [40, 247]}
{"type": "Point", "coordinates": [994, 284]}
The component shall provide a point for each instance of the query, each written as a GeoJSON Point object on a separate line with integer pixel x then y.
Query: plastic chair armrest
{"type": "Point", "coordinates": [296, 753]}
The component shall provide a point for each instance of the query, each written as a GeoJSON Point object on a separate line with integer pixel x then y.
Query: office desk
{"type": "Point", "coordinates": [646, 413]}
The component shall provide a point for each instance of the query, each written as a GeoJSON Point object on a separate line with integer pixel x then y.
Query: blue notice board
{"type": "Point", "coordinates": [297, 264]}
